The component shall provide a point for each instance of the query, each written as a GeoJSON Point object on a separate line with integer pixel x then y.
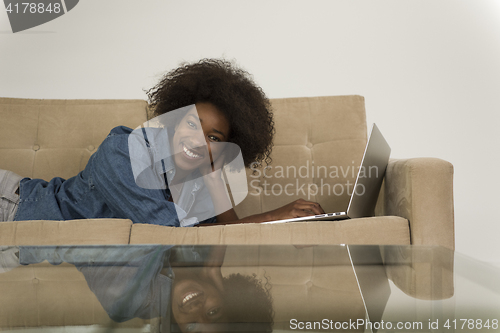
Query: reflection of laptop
{"type": "Point", "coordinates": [367, 185]}
{"type": "Point", "coordinates": [372, 281]}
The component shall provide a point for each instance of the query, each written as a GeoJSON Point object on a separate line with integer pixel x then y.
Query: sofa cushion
{"type": "Point", "coordinates": [371, 230]}
{"type": "Point", "coordinates": [74, 232]}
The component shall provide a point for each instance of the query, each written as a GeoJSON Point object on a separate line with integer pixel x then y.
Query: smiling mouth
{"type": "Point", "coordinates": [190, 153]}
{"type": "Point", "coordinates": [190, 297]}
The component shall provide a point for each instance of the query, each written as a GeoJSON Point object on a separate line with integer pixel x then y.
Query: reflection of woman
{"type": "Point", "coordinates": [245, 305]}
{"type": "Point", "coordinates": [146, 281]}
{"type": "Point", "coordinates": [203, 300]}
{"type": "Point", "coordinates": [231, 108]}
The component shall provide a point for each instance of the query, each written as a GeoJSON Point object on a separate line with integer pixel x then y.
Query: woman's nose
{"type": "Point", "coordinates": [196, 307]}
{"type": "Point", "coordinates": [197, 139]}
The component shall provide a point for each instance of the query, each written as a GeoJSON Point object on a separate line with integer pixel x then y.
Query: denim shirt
{"type": "Point", "coordinates": [106, 188]}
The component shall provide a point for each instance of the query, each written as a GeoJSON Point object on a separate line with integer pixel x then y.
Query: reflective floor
{"type": "Point", "coordinates": [152, 288]}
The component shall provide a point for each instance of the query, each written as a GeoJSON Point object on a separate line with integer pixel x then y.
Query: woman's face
{"type": "Point", "coordinates": [195, 302]}
{"type": "Point", "coordinates": [196, 136]}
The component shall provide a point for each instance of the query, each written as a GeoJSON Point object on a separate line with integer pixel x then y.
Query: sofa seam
{"type": "Point", "coordinates": [37, 140]}
{"type": "Point", "coordinates": [130, 233]}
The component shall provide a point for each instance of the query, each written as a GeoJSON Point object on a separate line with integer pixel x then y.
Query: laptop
{"type": "Point", "coordinates": [367, 186]}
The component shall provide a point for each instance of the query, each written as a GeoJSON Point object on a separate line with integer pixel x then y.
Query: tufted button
{"type": "Point", "coordinates": [309, 284]}
{"type": "Point", "coordinates": [35, 281]}
{"type": "Point", "coordinates": [36, 147]}
{"type": "Point", "coordinates": [91, 148]}
{"type": "Point", "coordinates": [309, 145]}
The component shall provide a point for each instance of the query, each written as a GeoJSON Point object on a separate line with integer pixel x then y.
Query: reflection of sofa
{"type": "Point", "coordinates": [48, 138]}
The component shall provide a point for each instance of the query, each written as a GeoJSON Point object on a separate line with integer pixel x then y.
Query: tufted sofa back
{"type": "Point", "coordinates": [318, 147]}
{"type": "Point", "coordinates": [55, 138]}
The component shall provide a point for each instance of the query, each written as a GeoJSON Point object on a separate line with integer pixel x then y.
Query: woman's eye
{"type": "Point", "coordinates": [213, 312]}
{"type": "Point", "coordinates": [191, 124]}
{"type": "Point", "coordinates": [213, 138]}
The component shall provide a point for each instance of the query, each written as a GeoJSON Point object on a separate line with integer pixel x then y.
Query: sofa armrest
{"type": "Point", "coordinates": [421, 191]}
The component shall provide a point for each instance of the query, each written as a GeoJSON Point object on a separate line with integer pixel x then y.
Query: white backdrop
{"type": "Point", "coordinates": [429, 70]}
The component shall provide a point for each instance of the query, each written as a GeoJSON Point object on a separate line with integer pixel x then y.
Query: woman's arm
{"type": "Point", "coordinates": [226, 214]}
{"type": "Point", "coordinates": [297, 208]}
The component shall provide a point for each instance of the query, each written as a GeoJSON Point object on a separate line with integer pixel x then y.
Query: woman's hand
{"type": "Point", "coordinates": [212, 177]}
{"type": "Point", "coordinates": [213, 171]}
{"type": "Point", "coordinates": [297, 208]}
{"type": "Point", "coordinates": [211, 270]}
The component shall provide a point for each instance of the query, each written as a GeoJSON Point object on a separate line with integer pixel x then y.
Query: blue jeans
{"type": "Point", "coordinates": [9, 199]}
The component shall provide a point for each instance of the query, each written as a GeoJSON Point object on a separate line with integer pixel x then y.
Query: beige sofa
{"type": "Point", "coordinates": [48, 138]}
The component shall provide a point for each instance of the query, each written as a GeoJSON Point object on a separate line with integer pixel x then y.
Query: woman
{"type": "Point", "coordinates": [230, 108]}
